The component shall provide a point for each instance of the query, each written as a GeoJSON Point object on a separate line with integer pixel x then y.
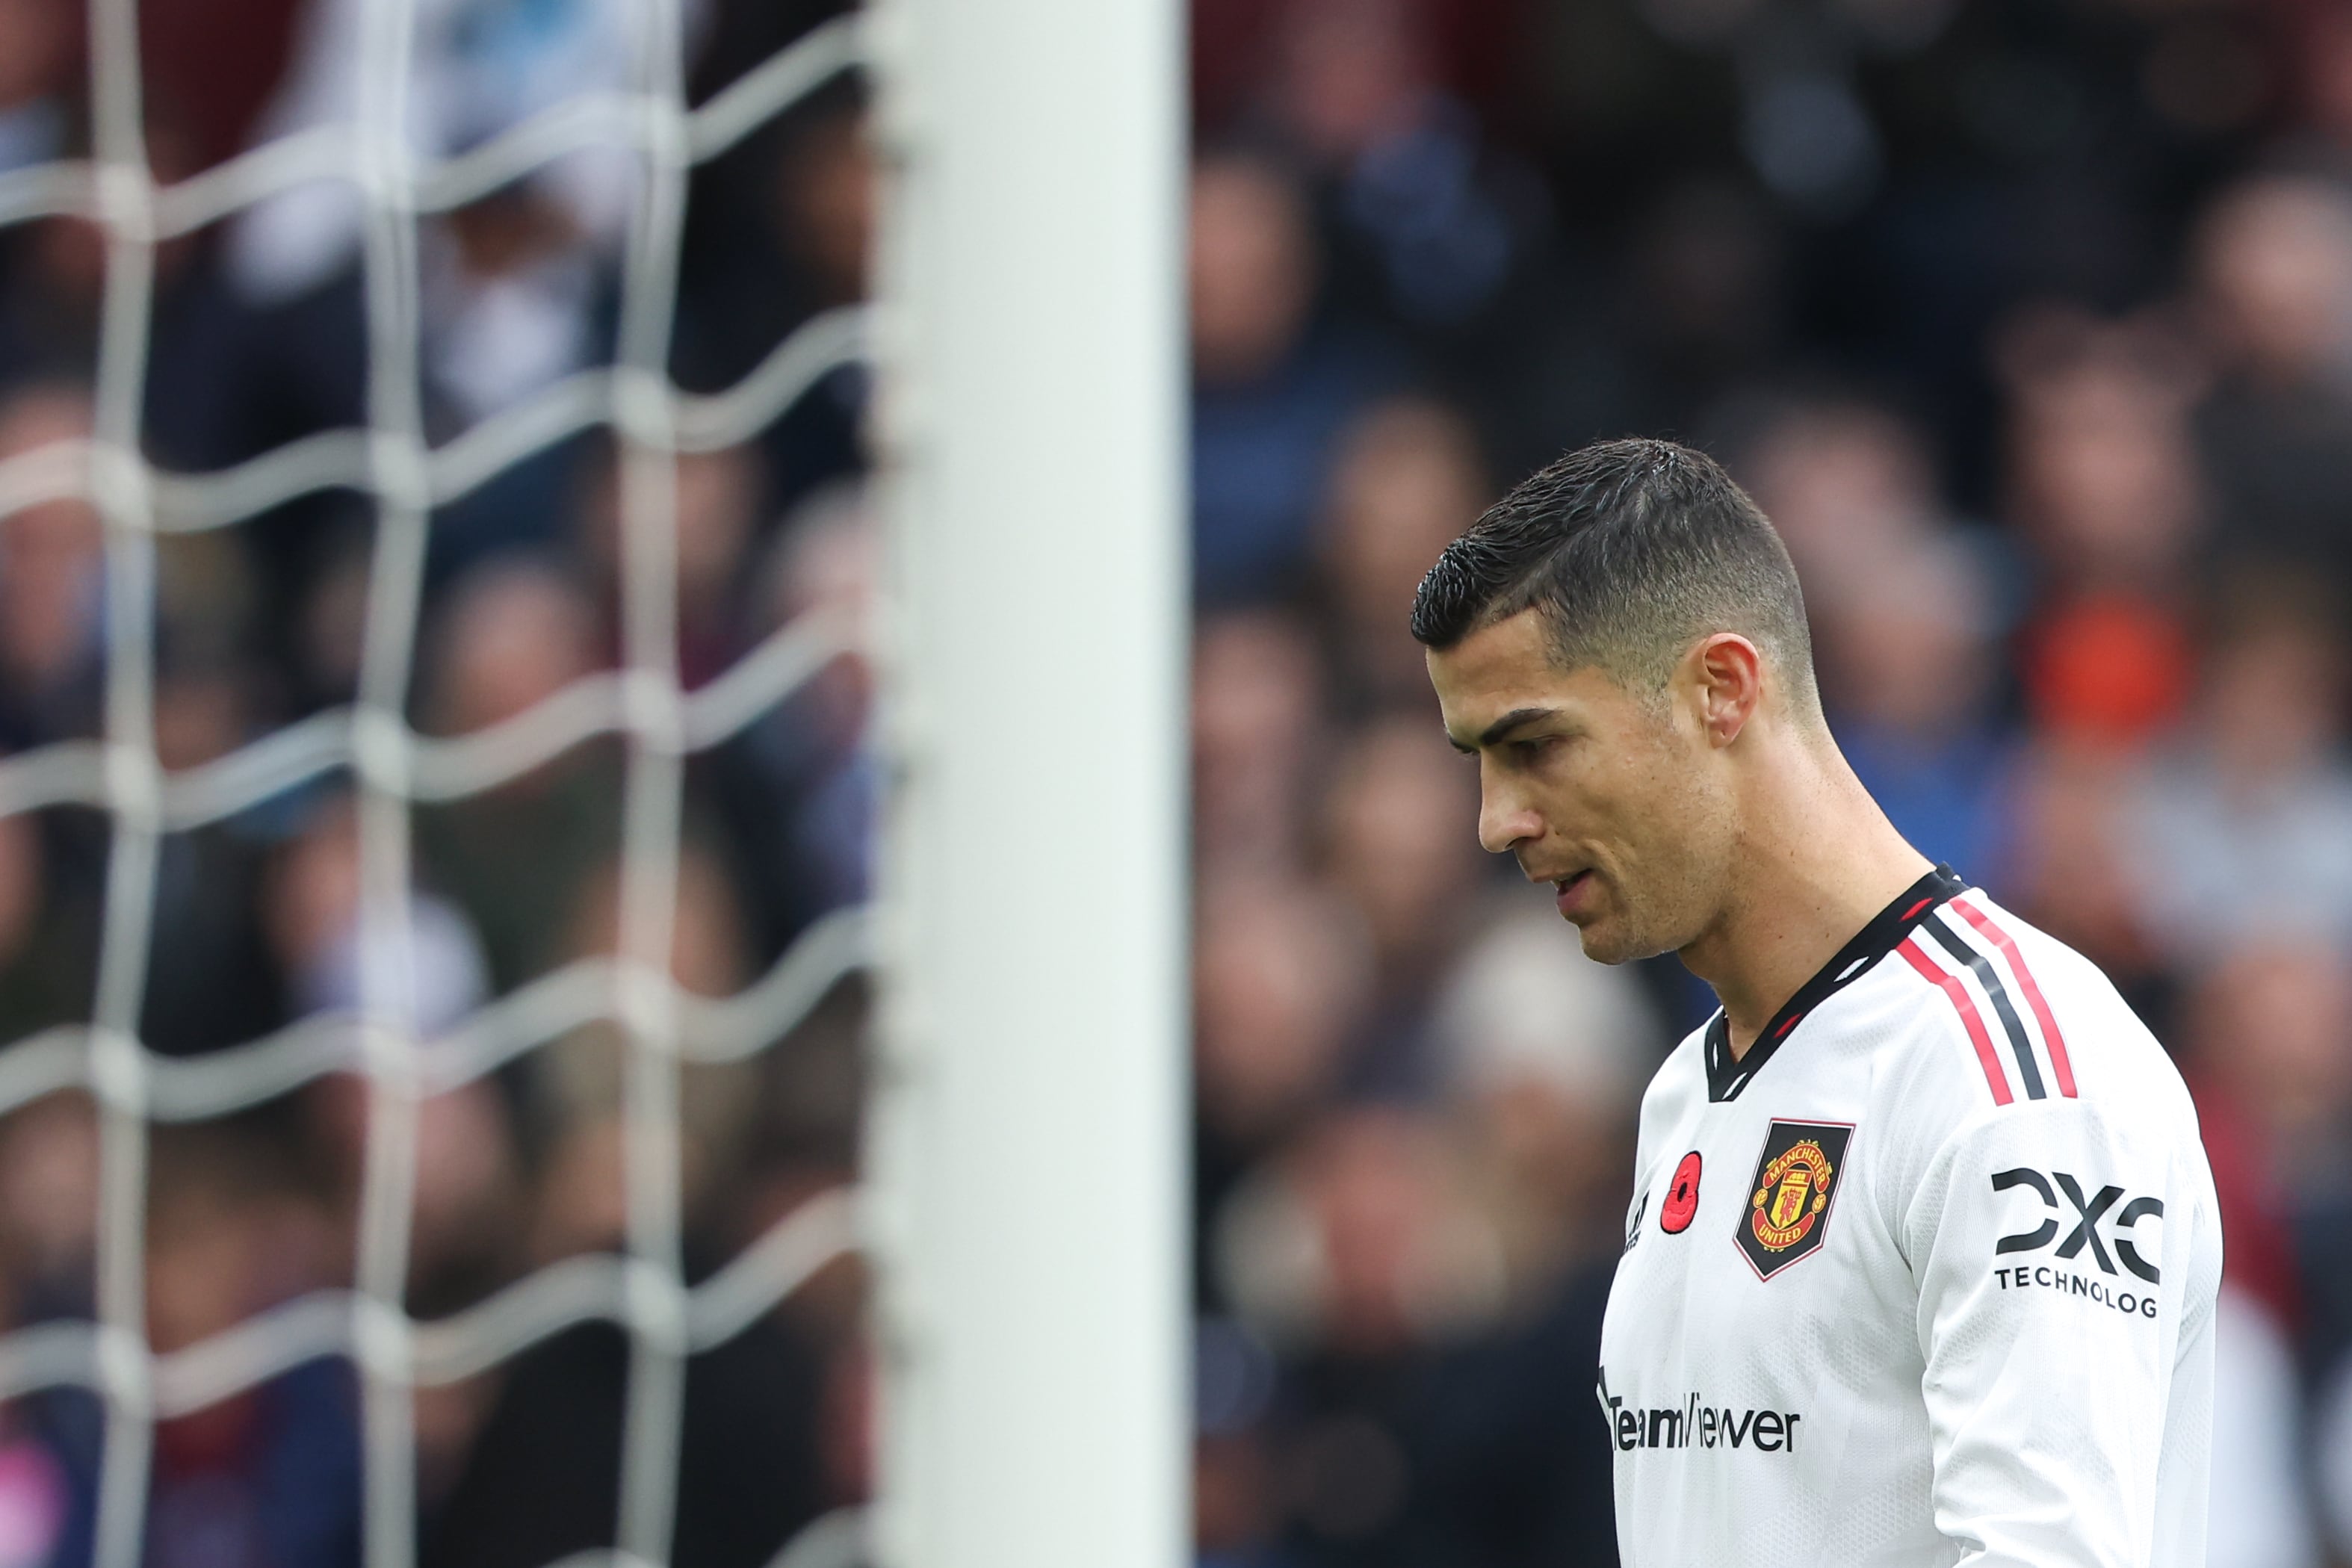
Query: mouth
{"type": "Point", "coordinates": [1569, 892]}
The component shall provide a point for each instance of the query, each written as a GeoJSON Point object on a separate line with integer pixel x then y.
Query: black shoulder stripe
{"type": "Point", "coordinates": [2020, 1046]}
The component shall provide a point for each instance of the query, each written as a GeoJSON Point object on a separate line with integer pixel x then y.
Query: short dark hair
{"type": "Point", "coordinates": [1631, 550]}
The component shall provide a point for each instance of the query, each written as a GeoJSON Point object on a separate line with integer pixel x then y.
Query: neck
{"type": "Point", "coordinates": [1817, 859]}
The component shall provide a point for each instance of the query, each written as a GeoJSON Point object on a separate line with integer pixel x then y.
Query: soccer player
{"type": "Point", "coordinates": [1921, 1261]}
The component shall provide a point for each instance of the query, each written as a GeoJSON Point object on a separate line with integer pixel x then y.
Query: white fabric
{"type": "Point", "coordinates": [447, 976]}
{"type": "Point", "coordinates": [2220, 867]}
{"type": "Point", "coordinates": [479, 67]}
{"type": "Point", "coordinates": [1524, 1005]}
{"type": "Point", "coordinates": [1905, 1392]}
{"type": "Point", "coordinates": [2260, 1518]}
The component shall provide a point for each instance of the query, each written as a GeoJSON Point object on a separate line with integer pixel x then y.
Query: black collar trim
{"type": "Point", "coordinates": [1725, 1077]}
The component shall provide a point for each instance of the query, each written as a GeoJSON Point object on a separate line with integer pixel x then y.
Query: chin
{"type": "Point", "coordinates": [1606, 943]}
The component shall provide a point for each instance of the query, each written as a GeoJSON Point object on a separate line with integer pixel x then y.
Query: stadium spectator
{"type": "Point", "coordinates": [581, 1081]}
{"type": "Point", "coordinates": [475, 70]}
{"type": "Point", "coordinates": [1407, 479]}
{"type": "Point", "coordinates": [2263, 1032]}
{"type": "Point", "coordinates": [2067, 867]}
{"type": "Point", "coordinates": [1258, 727]}
{"type": "Point", "coordinates": [2245, 828]}
{"type": "Point", "coordinates": [1909, 677]}
{"type": "Point", "coordinates": [516, 857]}
{"type": "Point", "coordinates": [337, 967]}
{"type": "Point", "coordinates": [2103, 483]}
{"type": "Point", "coordinates": [271, 1475]}
{"type": "Point", "coordinates": [778, 233]}
{"type": "Point", "coordinates": [48, 963]}
{"type": "Point", "coordinates": [1707, 309]}
{"type": "Point", "coordinates": [48, 1206]}
{"type": "Point", "coordinates": [715, 516]}
{"type": "Point", "coordinates": [800, 790]}
{"type": "Point", "coordinates": [1851, 486]}
{"type": "Point", "coordinates": [1273, 384]}
{"type": "Point", "coordinates": [37, 41]}
{"type": "Point", "coordinates": [52, 581]}
{"type": "Point", "coordinates": [1432, 225]}
{"type": "Point", "coordinates": [1413, 884]}
{"type": "Point", "coordinates": [1358, 1254]}
{"type": "Point", "coordinates": [1280, 972]}
{"type": "Point", "coordinates": [335, 962]}
{"type": "Point", "coordinates": [1543, 1054]}
{"type": "Point", "coordinates": [2274, 262]}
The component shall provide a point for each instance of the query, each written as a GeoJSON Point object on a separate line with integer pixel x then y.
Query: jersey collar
{"type": "Point", "coordinates": [1725, 1077]}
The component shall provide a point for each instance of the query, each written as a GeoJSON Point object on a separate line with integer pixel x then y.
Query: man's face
{"type": "Point", "coordinates": [1620, 806]}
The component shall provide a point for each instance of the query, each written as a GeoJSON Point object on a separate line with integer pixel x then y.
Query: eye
{"type": "Point", "coordinates": [1533, 748]}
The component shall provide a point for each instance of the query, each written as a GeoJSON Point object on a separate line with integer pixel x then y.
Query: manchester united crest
{"type": "Point", "coordinates": [1788, 1199]}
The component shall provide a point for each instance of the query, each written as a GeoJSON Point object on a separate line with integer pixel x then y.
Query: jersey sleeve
{"type": "Point", "coordinates": [2060, 1256]}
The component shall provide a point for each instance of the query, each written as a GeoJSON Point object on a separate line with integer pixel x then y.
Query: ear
{"type": "Point", "coordinates": [1726, 675]}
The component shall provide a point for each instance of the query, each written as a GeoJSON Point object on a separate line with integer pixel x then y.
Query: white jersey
{"type": "Point", "coordinates": [1927, 1276]}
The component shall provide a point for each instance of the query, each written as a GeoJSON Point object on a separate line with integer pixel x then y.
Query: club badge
{"type": "Point", "coordinates": [1790, 1198]}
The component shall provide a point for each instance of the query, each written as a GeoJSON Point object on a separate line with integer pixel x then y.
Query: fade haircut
{"type": "Point", "coordinates": [1631, 550]}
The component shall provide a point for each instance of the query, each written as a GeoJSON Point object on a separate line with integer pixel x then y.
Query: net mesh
{"type": "Point", "coordinates": [643, 702]}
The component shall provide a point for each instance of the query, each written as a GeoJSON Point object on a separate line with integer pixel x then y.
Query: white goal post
{"type": "Point", "coordinates": [1027, 1166]}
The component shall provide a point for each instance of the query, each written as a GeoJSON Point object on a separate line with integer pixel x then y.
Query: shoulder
{"type": "Point", "coordinates": [2003, 1014]}
{"type": "Point", "coordinates": [2014, 1041]}
{"type": "Point", "coordinates": [1678, 1084]}
{"type": "Point", "coordinates": [2019, 1061]}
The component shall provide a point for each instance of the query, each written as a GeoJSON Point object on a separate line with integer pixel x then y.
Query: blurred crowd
{"type": "Point", "coordinates": [260, 336]}
{"type": "Point", "coordinates": [2030, 323]}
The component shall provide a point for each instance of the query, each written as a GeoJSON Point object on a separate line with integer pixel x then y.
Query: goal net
{"type": "Point", "coordinates": [1021, 1201]}
{"type": "Point", "coordinates": [402, 1058]}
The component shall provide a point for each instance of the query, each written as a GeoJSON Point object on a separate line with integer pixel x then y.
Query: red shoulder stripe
{"type": "Point", "coordinates": [1969, 1016]}
{"type": "Point", "coordinates": [2000, 939]}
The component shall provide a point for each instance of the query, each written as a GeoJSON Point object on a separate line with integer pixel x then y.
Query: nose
{"type": "Point", "coordinates": [1505, 821]}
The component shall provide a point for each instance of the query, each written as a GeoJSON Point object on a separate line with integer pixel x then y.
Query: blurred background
{"type": "Point", "coordinates": [259, 336]}
{"type": "Point", "coordinates": [2029, 322]}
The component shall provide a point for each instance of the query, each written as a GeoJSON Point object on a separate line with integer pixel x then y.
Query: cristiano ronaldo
{"type": "Point", "coordinates": [1921, 1261]}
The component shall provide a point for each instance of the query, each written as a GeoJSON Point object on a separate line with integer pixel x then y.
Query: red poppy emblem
{"type": "Point", "coordinates": [1682, 1199]}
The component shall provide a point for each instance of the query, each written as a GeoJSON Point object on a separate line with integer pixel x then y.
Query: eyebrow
{"type": "Point", "coordinates": [1515, 719]}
